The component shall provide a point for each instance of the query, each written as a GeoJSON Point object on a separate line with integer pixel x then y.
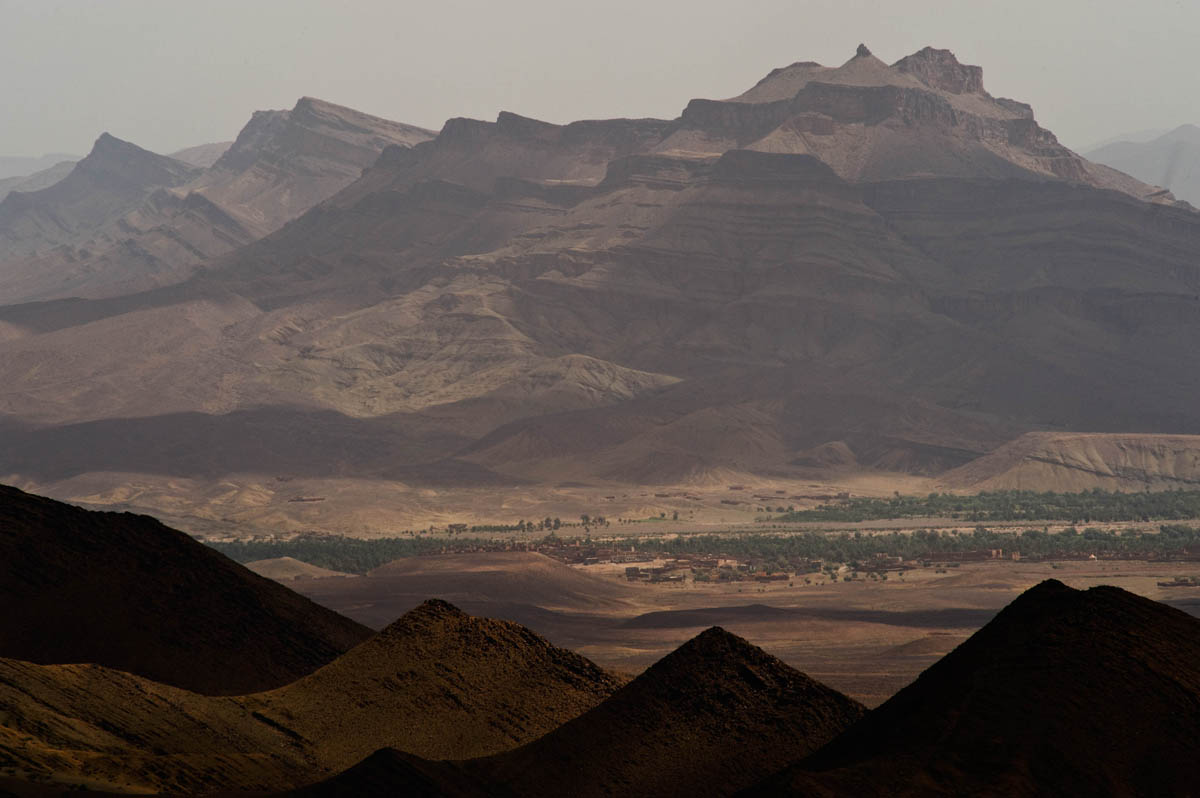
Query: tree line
{"type": "Point", "coordinates": [354, 555]}
{"type": "Point", "coordinates": [1094, 506]}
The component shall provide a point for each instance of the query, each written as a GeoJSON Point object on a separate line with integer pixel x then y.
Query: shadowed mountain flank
{"type": "Point", "coordinates": [279, 440]}
{"type": "Point", "coordinates": [126, 592]}
{"type": "Point", "coordinates": [705, 720]}
{"type": "Point", "coordinates": [1065, 692]}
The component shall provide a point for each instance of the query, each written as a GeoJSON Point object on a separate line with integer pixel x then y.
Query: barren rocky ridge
{"type": "Point", "coordinates": [882, 261]}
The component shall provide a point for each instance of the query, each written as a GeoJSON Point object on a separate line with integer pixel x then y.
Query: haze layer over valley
{"type": "Point", "coordinates": [866, 276]}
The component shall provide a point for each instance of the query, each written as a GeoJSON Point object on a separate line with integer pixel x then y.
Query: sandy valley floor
{"type": "Point", "coordinates": [867, 639]}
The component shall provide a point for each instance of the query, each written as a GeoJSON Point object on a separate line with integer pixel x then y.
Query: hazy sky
{"type": "Point", "coordinates": [168, 74]}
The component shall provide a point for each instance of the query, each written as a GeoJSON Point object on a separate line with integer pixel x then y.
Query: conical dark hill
{"type": "Point", "coordinates": [124, 591]}
{"type": "Point", "coordinates": [708, 719]}
{"type": "Point", "coordinates": [441, 684]}
{"type": "Point", "coordinates": [392, 772]}
{"type": "Point", "coordinates": [704, 720]}
{"type": "Point", "coordinates": [1065, 692]}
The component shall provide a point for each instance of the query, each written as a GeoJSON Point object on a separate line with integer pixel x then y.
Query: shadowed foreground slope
{"type": "Point", "coordinates": [707, 719]}
{"type": "Point", "coordinates": [126, 592]}
{"type": "Point", "coordinates": [1065, 692]}
{"type": "Point", "coordinates": [437, 682]}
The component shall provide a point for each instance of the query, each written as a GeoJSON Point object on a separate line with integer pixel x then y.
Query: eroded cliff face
{"type": "Point", "coordinates": [925, 115]}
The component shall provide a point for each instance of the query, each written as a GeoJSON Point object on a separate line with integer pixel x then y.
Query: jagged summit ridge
{"type": "Point", "coordinates": [926, 115]}
{"type": "Point", "coordinates": [941, 70]}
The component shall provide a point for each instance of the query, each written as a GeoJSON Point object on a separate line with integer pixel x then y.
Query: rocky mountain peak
{"type": "Point", "coordinates": [940, 69]}
{"type": "Point", "coordinates": [119, 166]}
{"type": "Point", "coordinates": [862, 51]}
{"type": "Point", "coordinates": [109, 150]}
{"type": "Point", "coordinates": [107, 140]}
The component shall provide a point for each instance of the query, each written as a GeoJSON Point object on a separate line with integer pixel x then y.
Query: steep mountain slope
{"type": "Point", "coordinates": [436, 682]}
{"type": "Point", "coordinates": [920, 276]}
{"type": "Point", "coordinates": [432, 675]}
{"type": "Point", "coordinates": [113, 179]}
{"type": "Point", "coordinates": [707, 719]}
{"type": "Point", "coordinates": [126, 592]}
{"type": "Point", "coordinates": [105, 729]}
{"type": "Point", "coordinates": [1065, 692]}
{"type": "Point", "coordinates": [1171, 160]}
{"type": "Point", "coordinates": [282, 164]}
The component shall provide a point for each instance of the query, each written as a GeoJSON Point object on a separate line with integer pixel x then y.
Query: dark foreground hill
{"type": "Point", "coordinates": [1065, 692]}
{"type": "Point", "coordinates": [707, 719]}
{"type": "Point", "coordinates": [440, 684]}
{"type": "Point", "coordinates": [126, 592]}
{"type": "Point", "coordinates": [437, 683]}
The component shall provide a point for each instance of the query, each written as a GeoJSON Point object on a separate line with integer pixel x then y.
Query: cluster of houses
{"type": "Point", "coordinates": [1182, 581]}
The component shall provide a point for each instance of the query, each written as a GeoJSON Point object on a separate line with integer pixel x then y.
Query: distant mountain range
{"type": "Point", "coordinates": [871, 267]}
{"type": "Point", "coordinates": [125, 219]}
{"type": "Point", "coordinates": [1171, 160]}
{"type": "Point", "coordinates": [37, 181]}
{"type": "Point", "coordinates": [15, 166]}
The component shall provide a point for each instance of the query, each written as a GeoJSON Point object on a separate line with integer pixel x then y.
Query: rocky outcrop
{"type": "Point", "coordinates": [939, 69]}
